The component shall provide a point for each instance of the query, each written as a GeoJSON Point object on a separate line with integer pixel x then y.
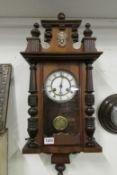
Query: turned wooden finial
{"type": "Point", "coordinates": [35, 31]}
{"type": "Point", "coordinates": [88, 42]}
{"type": "Point", "coordinates": [61, 16]}
{"type": "Point", "coordinates": [60, 168]}
{"type": "Point", "coordinates": [88, 32]}
{"type": "Point", "coordinates": [34, 43]}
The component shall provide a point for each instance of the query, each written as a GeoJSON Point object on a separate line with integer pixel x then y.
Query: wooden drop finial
{"type": "Point", "coordinates": [88, 32]}
{"type": "Point", "coordinates": [60, 168]}
{"type": "Point", "coordinates": [35, 31]}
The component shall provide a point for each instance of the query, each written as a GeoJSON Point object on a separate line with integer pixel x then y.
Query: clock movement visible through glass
{"type": "Point", "coordinates": [61, 86]}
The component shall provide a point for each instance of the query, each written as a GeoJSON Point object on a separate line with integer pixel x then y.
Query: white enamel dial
{"type": "Point", "coordinates": [61, 86]}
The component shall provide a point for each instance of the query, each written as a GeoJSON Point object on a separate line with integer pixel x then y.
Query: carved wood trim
{"type": "Point", "coordinates": [32, 102]}
{"type": "Point", "coordinates": [89, 102]}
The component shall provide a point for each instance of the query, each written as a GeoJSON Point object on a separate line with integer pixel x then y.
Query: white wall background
{"type": "Point", "coordinates": [13, 33]}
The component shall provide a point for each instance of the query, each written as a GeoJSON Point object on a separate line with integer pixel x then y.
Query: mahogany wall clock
{"type": "Point", "coordinates": [61, 95]}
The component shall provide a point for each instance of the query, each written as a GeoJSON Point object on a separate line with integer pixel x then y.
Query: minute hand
{"type": "Point", "coordinates": [61, 85]}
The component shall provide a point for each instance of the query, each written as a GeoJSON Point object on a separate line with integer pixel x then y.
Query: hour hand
{"type": "Point", "coordinates": [68, 90]}
{"type": "Point", "coordinates": [53, 90]}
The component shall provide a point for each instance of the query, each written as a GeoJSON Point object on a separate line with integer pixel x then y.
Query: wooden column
{"type": "Point", "coordinates": [89, 102]}
{"type": "Point", "coordinates": [33, 46]}
{"type": "Point", "coordinates": [32, 102]}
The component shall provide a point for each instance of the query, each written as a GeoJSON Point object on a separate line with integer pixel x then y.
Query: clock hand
{"type": "Point", "coordinates": [61, 82]}
{"type": "Point", "coordinates": [69, 90]}
{"type": "Point", "coordinates": [61, 85]}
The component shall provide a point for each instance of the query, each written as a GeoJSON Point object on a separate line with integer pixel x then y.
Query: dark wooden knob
{"type": "Point", "coordinates": [35, 31]}
{"type": "Point", "coordinates": [48, 36]}
{"type": "Point", "coordinates": [88, 32]}
{"type": "Point", "coordinates": [60, 168]}
{"type": "Point", "coordinates": [61, 16]}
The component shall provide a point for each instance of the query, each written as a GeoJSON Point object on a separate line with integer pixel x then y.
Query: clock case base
{"type": "Point", "coordinates": [62, 149]}
{"type": "Point", "coordinates": [61, 158]}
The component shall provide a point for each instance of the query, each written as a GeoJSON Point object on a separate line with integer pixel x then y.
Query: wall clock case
{"type": "Point", "coordinates": [61, 94]}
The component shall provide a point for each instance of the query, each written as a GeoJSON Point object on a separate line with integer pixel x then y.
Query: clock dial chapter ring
{"type": "Point", "coordinates": [61, 86]}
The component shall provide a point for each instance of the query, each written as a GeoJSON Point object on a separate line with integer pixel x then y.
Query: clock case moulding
{"type": "Point", "coordinates": [61, 55]}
